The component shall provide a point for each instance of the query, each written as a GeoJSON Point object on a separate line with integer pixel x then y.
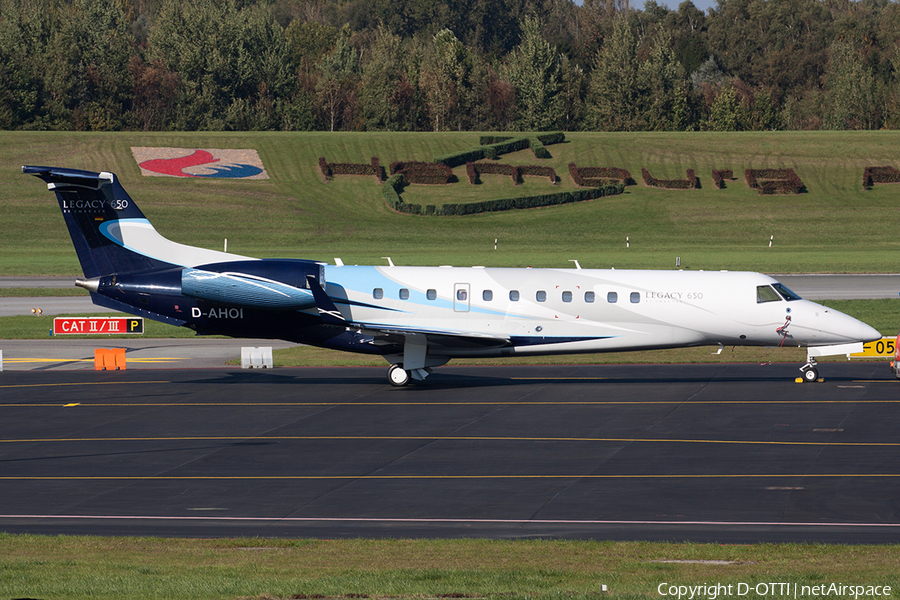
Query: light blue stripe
{"type": "Point", "coordinates": [363, 280]}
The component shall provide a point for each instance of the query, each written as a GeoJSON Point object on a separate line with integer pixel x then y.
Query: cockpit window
{"type": "Point", "coordinates": [786, 293]}
{"type": "Point", "coordinates": [765, 293]}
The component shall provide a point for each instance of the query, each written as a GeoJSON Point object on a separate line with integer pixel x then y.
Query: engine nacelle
{"type": "Point", "coordinates": [270, 284]}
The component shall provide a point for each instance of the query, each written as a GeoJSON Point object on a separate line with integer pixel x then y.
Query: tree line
{"type": "Point", "coordinates": [438, 65]}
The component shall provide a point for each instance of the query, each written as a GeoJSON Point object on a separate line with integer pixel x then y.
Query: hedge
{"type": "Point", "coordinates": [774, 181]}
{"type": "Point", "coordinates": [719, 177]}
{"type": "Point", "coordinates": [329, 170]}
{"type": "Point", "coordinates": [691, 183]}
{"type": "Point", "coordinates": [492, 146]}
{"type": "Point", "coordinates": [594, 176]}
{"type": "Point", "coordinates": [324, 170]}
{"type": "Point", "coordinates": [471, 208]}
{"type": "Point", "coordinates": [873, 175]}
{"type": "Point", "coordinates": [423, 172]}
{"type": "Point", "coordinates": [538, 171]}
{"type": "Point", "coordinates": [548, 139]}
{"type": "Point", "coordinates": [473, 170]}
{"type": "Point", "coordinates": [391, 192]}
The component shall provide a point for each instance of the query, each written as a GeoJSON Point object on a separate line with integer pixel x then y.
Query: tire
{"type": "Point", "coordinates": [810, 375]}
{"type": "Point", "coordinates": [397, 376]}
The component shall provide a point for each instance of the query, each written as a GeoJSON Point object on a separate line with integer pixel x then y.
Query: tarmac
{"type": "Point", "coordinates": [180, 444]}
{"type": "Point", "coordinates": [734, 453]}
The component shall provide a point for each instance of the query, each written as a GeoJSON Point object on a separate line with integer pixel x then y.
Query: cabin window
{"type": "Point", "coordinates": [404, 294]}
{"type": "Point", "coordinates": [514, 295]}
{"type": "Point", "coordinates": [635, 297]}
{"type": "Point", "coordinates": [612, 297]}
{"type": "Point", "coordinates": [786, 293]}
{"type": "Point", "coordinates": [462, 295]}
{"type": "Point", "coordinates": [378, 293]}
{"type": "Point", "coordinates": [541, 296]}
{"type": "Point", "coordinates": [589, 297]}
{"type": "Point", "coordinates": [487, 295]}
{"type": "Point", "coordinates": [431, 294]}
{"type": "Point", "coordinates": [567, 296]}
{"type": "Point", "coordinates": [765, 293]}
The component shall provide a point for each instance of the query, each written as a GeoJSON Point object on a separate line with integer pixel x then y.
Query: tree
{"type": "Point", "coordinates": [24, 30]}
{"type": "Point", "coordinates": [229, 59]}
{"type": "Point", "coordinates": [851, 91]}
{"type": "Point", "coordinates": [307, 43]}
{"type": "Point", "coordinates": [631, 93]}
{"type": "Point", "coordinates": [336, 88]}
{"type": "Point", "coordinates": [725, 114]}
{"type": "Point", "coordinates": [661, 79]}
{"type": "Point", "coordinates": [573, 91]}
{"type": "Point", "coordinates": [387, 98]}
{"type": "Point", "coordinates": [154, 95]}
{"type": "Point", "coordinates": [775, 44]}
{"type": "Point", "coordinates": [614, 89]}
{"type": "Point", "coordinates": [87, 65]}
{"type": "Point", "coordinates": [533, 70]}
{"type": "Point", "coordinates": [444, 78]}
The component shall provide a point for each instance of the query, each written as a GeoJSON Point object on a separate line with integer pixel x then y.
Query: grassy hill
{"type": "Point", "coordinates": [834, 227]}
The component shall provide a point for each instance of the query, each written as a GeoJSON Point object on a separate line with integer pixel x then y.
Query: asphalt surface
{"type": "Point", "coordinates": [733, 453]}
{"type": "Point", "coordinates": [843, 287]}
{"type": "Point", "coordinates": [66, 354]}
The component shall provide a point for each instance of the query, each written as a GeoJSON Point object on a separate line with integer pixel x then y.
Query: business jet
{"type": "Point", "coordinates": [419, 318]}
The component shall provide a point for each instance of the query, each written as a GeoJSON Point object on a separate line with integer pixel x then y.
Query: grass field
{"type": "Point", "coordinates": [834, 227]}
{"type": "Point", "coordinates": [101, 568]}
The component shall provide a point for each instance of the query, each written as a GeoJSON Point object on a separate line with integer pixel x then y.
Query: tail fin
{"type": "Point", "coordinates": [110, 233]}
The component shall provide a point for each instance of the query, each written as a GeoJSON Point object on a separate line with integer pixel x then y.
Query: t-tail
{"type": "Point", "coordinates": [128, 266]}
{"type": "Point", "coordinates": [110, 233]}
{"type": "Point", "coordinates": [95, 206]}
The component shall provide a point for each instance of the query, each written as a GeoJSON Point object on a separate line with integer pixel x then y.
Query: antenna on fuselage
{"type": "Point", "coordinates": [577, 266]}
{"type": "Point", "coordinates": [390, 262]}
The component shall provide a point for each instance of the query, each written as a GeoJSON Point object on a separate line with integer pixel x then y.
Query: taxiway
{"type": "Point", "coordinates": [732, 453]}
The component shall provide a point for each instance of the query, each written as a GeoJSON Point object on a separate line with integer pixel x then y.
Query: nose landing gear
{"type": "Point", "coordinates": [809, 372]}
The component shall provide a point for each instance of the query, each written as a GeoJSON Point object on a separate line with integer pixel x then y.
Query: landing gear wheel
{"type": "Point", "coordinates": [398, 376]}
{"type": "Point", "coordinates": [810, 375]}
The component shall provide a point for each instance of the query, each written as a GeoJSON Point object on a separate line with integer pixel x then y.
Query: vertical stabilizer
{"type": "Point", "coordinates": [110, 233]}
{"type": "Point", "coordinates": [92, 205]}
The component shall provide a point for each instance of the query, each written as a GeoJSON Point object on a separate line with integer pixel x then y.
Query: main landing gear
{"type": "Point", "coordinates": [398, 376]}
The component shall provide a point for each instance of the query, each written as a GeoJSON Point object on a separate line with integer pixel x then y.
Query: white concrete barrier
{"type": "Point", "coordinates": [256, 357]}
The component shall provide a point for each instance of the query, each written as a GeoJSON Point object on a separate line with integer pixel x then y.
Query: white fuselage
{"type": "Point", "coordinates": [585, 310]}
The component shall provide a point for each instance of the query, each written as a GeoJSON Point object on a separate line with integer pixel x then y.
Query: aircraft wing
{"type": "Point", "coordinates": [436, 338]}
{"type": "Point", "coordinates": [397, 335]}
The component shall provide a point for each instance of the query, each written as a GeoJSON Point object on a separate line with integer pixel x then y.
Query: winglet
{"type": "Point", "coordinates": [328, 312]}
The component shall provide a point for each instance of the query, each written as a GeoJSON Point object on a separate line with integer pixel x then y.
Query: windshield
{"type": "Point", "coordinates": [785, 292]}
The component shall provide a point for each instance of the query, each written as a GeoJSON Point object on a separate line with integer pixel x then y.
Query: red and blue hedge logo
{"type": "Point", "coordinates": [210, 163]}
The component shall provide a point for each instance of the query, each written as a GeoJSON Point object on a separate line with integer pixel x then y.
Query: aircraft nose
{"type": "Point", "coordinates": [822, 325]}
{"type": "Point", "coordinates": [868, 333]}
{"type": "Point", "coordinates": [853, 329]}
